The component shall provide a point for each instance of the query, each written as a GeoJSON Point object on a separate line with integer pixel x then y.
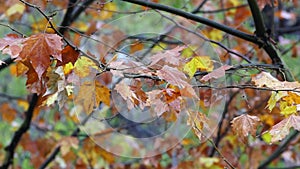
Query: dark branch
{"type": "Point", "coordinates": [280, 149]}
{"type": "Point", "coordinates": [10, 149]}
{"type": "Point", "coordinates": [199, 19]}
{"type": "Point", "coordinates": [8, 62]}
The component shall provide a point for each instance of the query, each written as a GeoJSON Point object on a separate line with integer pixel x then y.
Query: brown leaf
{"type": "Point", "coordinates": [170, 57]}
{"type": "Point", "coordinates": [265, 79]}
{"type": "Point", "coordinates": [282, 129]}
{"type": "Point", "coordinates": [126, 93]}
{"type": "Point", "coordinates": [173, 76]}
{"type": "Point", "coordinates": [244, 125]}
{"type": "Point", "coordinates": [38, 49]}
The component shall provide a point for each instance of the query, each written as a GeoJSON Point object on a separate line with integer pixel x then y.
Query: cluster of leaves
{"type": "Point", "coordinates": [68, 73]}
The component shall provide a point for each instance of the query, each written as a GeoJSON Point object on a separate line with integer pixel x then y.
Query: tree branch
{"type": "Point", "coordinates": [10, 149]}
{"type": "Point", "coordinates": [280, 149]}
{"type": "Point", "coordinates": [199, 19]}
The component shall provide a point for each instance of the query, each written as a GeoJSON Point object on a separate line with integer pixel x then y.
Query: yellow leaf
{"type": "Point", "coordinates": [189, 51]}
{"type": "Point", "coordinates": [83, 66]}
{"type": "Point", "coordinates": [287, 109]}
{"type": "Point", "coordinates": [16, 8]}
{"type": "Point", "coordinates": [275, 97]}
{"type": "Point", "coordinates": [208, 161]}
{"type": "Point", "coordinates": [102, 94]}
{"type": "Point", "coordinates": [267, 137]}
{"type": "Point", "coordinates": [90, 95]}
{"type": "Point", "coordinates": [198, 62]}
{"type": "Point", "coordinates": [159, 47]}
{"type": "Point", "coordinates": [214, 34]}
{"type": "Point", "coordinates": [68, 68]}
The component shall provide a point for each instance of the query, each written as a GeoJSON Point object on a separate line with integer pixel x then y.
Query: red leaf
{"type": "Point", "coordinates": [38, 49]}
{"type": "Point", "coordinates": [68, 55]}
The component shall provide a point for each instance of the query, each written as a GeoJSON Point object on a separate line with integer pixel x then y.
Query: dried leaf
{"type": "Point", "coordinates": [265, 79]}
{"type": "Point", "coordinates": [173, 76]}
{"type": "Point", "coordinates": [217, 73]}
{"type": "Point", "coordinates": [169, 57]}
{"type": "Point", "coordinates": [244, 125]}
{"type": "Point", "coordinates": [282, 129]}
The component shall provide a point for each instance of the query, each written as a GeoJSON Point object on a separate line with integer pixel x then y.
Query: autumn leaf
{"type": "Point", "coordinates": [217, 73]}
{"type": "Point", "coordinates": [244, 125]}
{"type": "Point", "coordinates": [282, 129]}
{"type": "Point", "coordinates": [156, 103]}
{"type": "Point", "coordinates": [169, 57]}
{"type": "Point", "coordinates": [84, 66]}
{"type": "Point", "coordinates": [39, 48]}
{"type": "Point", "coordinates": [286, 109]}
{"type": "Point", "coordinates": [126, 93]}
{"type": "Point", "coordinates": [172, 76]}
{"type": "Point", "coordinates": [68, 55]}
{"type": "Point", "coordinates": [90, 94]}
{"type": "Point", "coordinates": [11, 45]}
{"type": "Point", "coordinates": [275, 97]}
{"type": "Point", "coordinates": [265, 79]}
{"type": "Point", "coordinates": [198, 62]}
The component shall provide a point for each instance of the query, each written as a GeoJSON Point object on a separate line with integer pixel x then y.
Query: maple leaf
{"type": "Point", "coordinates": [11, 45]}
{"type": "Point", "coordinates": [68, 55]}
{"type": "Point", "coordinates": [276, 96]}
{"type": "Point", "coordinates": [172, 76]}
{"type": "Point", "coordinates": [169, 57]}
{"type": "Point", "coordinates": [286, 109]}
{"type": "Point", "coordinates": [38, 48]}
{"type": "Point", "coordinates": [157, 105]}
{"type": "Point", "coordinates": [198, 62]}
{"type": "Point", "coordinates": [282, 129]}
{"type": "Point", "coordinates": [84, 66]}
{"type": "Point", "coordinates": [217, 73]}
{"type": "Point", "coordinates": [90, 94]}
{"type": "Point", "coordinates": [244, 125]}
{"type": "Point", "coordinates": [265, 79]}
{"type": "Point", "coordinates": [126, 93]}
